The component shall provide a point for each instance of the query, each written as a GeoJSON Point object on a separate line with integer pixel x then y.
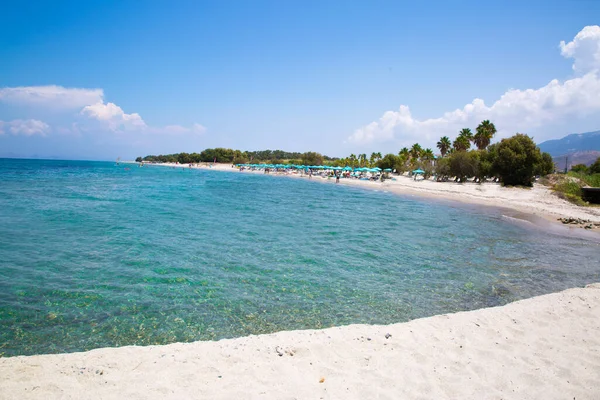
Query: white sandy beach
{"type": "Point", "coordinates": [546, 347]}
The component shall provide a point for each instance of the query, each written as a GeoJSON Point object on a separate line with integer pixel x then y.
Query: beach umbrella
{"type": "Point", "coordinates": [387, 170]}
{"type": "Point", "coordinates": [347, 169]}
{"type": "Point", "coordinates": [418, 171]}
{"type": "Point", "coordinates": [377, 169]}
{"type": "Point", "coordinates": [337, 168]}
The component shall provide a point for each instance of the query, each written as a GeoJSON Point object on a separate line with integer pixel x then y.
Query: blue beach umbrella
{"type": "Point", "coordinates": [387, 170]}
{"type": "Point", "coordinates": [418, 171]}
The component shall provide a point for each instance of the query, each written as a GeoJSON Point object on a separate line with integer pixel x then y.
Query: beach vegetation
{"type": "Point", "coordinates": [595, 167]}
{"type": "Point", "coordinates": [463, 165]}
{"type": "Point", "coordinates": [427, 167]}
{"type": "Point", "coordinates": [312, 158]}
{"type": "Point", "coordinates": [517, 160]}
{"type": "Point", "coordinates": [223, 155]}
{"type": "Point", "coordinates": [388, 161]}
{"type": "Point", "coordinates": [568, 187]}
{"type": "Point", "coordinates": [375, 157]}
{"type": "Point", "coordinates": [514, 161]}
{"type": "Point", "coordinates": [444, 145]}
{"type": "Point", "coordinates": [580, 168]}
{"type": "Point", "coordinates": [461, 143]}
{"type": "Point", "coordinates": [484, 133]}
{"type": "Point", "coordinates": [467, 134]}
{"type": "Point", "coordinates": [442, 169]}
{"type": "Point", "coordinates": [427, 155]}
{"type": "Point", "coordinates": [362, 160]}
{"type": "Point", "coordinates": [545, 166]}
{"type": "Point", "coordinates": [415, 151]}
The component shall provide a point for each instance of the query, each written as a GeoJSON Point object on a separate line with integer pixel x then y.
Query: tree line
{"type": "Point", "coordinates": [223, 155]}
{"type": "Point", "coordinates": [512, 161]}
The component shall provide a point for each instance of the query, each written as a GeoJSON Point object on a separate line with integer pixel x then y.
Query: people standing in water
{"type": "Point", "coordinates": [337, 178]}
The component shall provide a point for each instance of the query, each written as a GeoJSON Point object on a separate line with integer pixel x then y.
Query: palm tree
{"type": "Point", "coordinates": [461, 143]}
{"type": "Point", "coordinates": [362, 160]}
{"type": "Point", "coordinates": [485, 132]}
{"type": "Point", "coordinates": [444, 145]}
{"type": "Point", "coordinates": [466, 133]}
{"type": "Point", "coordinates": [375, 157]}
{"type": "Point", "coordinates": [415, 151]}
{"type": "Point", "coordinates": [403, 157]}
{"type": "Point", "coordinates": [427, 155]}
{"type": "Point", "coordinates": [352, 160]}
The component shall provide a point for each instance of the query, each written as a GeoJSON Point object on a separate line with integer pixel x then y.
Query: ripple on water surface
{"type": "Point", "coordinates": [93, 255]}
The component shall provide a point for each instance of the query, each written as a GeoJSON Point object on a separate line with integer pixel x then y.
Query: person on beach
{"type": "Point", "coordinates": [337, 178]}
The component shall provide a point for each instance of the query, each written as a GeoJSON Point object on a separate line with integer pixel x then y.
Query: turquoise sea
{"type": "Point", "coordinates": [95, 255]}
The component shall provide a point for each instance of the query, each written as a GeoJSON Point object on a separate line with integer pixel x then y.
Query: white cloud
{"type": "Point", "coordinates": [516, 110]}
{"type": "Point", "coordinates": [584, 49]}
{"type": "Point", "coordinates": [114, 117]}
{"type": "Point", "coordinates": [27, 127]}
{"type": "Point", "coordinates": [87, 102]}
{"type": "Point", "coordinates": [51, 96]}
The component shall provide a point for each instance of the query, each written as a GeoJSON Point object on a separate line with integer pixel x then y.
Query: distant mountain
{"type": "Point", "coordinates": [577, 142]}
{"type": "Point", "coordinates": [578, 157]}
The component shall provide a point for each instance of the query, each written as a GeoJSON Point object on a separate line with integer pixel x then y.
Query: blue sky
{"type": "Point", "coordinates": [100, 80]}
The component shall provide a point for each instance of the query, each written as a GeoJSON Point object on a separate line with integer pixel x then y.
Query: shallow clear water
{"type": "Point", "coordinates": [95, 255]}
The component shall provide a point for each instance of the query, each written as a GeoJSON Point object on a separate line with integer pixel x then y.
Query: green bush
{"type": "Point", "coordinates": [442, 168]}
{"type": "Point", "coordinates": [388, 161]}
{"type": "Point", "coordinates": [569, 187]}
{"type": "Point", "coordinates": [569, 190]}
{"type": "Point", "coordinates": [580, 168]}
{"type": "Point", "coordinates": [592, 180]}
{"type": "Point", "coordinates": [517, 160]}
{"type": "Point", "coordinates": [595, 167]}
{"type": "Point", "coordinates": [545, 165]}
{"type": "Point", "coordinates": [464, 165]}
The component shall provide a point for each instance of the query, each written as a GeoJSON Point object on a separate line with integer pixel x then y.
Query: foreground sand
{"type": "Point", "coordinates": [547, 347]}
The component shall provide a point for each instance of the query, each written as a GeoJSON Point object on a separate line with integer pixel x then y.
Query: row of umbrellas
{"type": "Point", "coordinates": [327, 167]}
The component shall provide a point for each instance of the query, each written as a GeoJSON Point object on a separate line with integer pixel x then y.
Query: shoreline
{"type": "Point", "coordinates": [537, 205]}
{"type": "Point", "coordinates": [543, 347]}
